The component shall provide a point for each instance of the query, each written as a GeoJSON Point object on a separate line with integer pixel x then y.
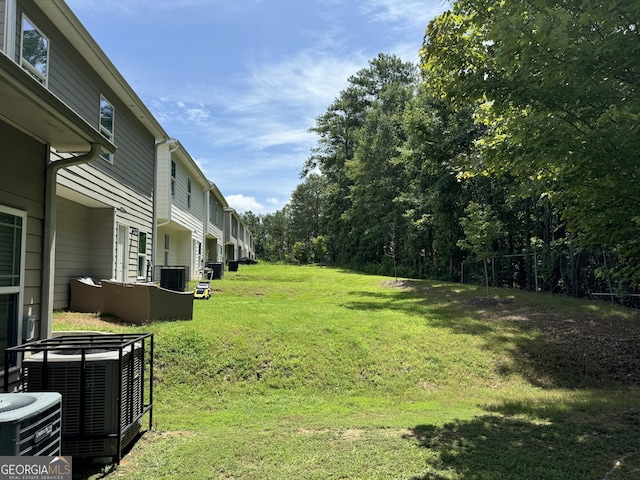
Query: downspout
{"type": "Point", "coordinates": [49, 240]}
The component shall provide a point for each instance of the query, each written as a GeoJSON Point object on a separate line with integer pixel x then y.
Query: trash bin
{"type": "Point", "coordinates": [233, 265]}
{"type": "Point", "coordinates": [217, 270]}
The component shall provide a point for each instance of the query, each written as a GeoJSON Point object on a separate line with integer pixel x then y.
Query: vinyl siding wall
{"type": "Point", "coordinates": [216, 215]}
{"type": "Point", "coordinates": [130, 208]}
{"type": "Point", "coordinates": [71, 79]}
{"type": "Point", "coordinates": [22, 185]}
{"type": "Point", "coordinates": [215, 230]}
{"type": "Point", "coordinates": [84, 246]}
{"type": "Point", "coordinates": [2, 15]}
{"type": "Point", "coordinates": [94, 184]}
{"type": "Point", "coordinates": [126, 185]}
{"type": "Point", "coordinates": [188, 217]}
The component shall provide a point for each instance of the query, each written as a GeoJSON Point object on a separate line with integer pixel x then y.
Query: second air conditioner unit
{"type": "Point", "coordinates": [102, 386]}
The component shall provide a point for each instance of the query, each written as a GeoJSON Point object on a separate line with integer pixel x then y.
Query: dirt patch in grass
{"type": "Point", "coordinates": [86, 321]}
{"type": "Point", "coordinates": [400, 284]}
{"type": "Point", "coordinates": [563, 347]}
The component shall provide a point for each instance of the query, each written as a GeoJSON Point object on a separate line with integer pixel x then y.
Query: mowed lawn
{"type": "Point", "coordinates": [319, 373]}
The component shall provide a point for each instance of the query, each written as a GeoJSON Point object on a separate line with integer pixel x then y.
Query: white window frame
{"type": "Point", "coordinates": [43, 78]}
{"type": "Point", "coordinates": [106, 133]}
{"type": "Point", "coordinates": [166, 249]}
{"type": "Point", "coordinates": [188, 193]}
{"type": "Point", "coordinates": [17, 289]}
{"type": "Point", "coordinates": [142, 255]}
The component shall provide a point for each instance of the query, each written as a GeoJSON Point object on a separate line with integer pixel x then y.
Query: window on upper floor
{"type": "Point", "coordinates": [12, 251]}
{"type": "Point", "coordinates": [34, 51]}
{"type": "Point", "coordinates": [106, 124]}
{"type": "Point", "coordinates": [188, 192]}
{"type": "Point", "coordinates": [173, 178]}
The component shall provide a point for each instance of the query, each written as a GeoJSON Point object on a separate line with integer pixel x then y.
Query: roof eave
{"type": "Point", "coordinates": [30, 107]}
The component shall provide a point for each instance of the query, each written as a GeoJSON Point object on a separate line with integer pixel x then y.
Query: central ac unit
{"type": "Point", "coordinates": [30, 424]}
{"type": "Point", "coordinates": [102, 390]}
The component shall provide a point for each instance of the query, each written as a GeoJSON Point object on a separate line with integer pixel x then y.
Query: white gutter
{"type": "Point", "coordinates": [49, 240]}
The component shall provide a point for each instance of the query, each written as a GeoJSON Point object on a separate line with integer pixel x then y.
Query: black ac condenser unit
{"type": "Point", "coordinates": [101, 378]}
{"type": "Point", "coordinates": [173, 278]}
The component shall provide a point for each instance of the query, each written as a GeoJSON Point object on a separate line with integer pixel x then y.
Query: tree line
{"type": "Point", "coordinates": [510, 155]}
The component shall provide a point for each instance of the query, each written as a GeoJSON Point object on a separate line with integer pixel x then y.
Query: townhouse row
{"type": "Point", "coordinates": [90, 182]}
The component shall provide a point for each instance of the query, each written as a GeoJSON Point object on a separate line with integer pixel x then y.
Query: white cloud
{"type": "Point", "coordinates": [274, 105]}
{"type": "Point", "coordinates": [197, 115]}
{"type": "Point", "coordinates": [405, 12]}
{"type": "Point", "coordinates": [284, 137]}
{"type": "Point", "coordinates": [243, 204]}
{"type": "Point", "coordinates": [276, 203]}
{"type": "Point", "coordinates": [307, 81]}
{"type": "Point", "coordinates": [247, 115]}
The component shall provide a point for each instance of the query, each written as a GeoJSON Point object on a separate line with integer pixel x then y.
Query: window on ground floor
{"type": "Point", "coordinates": [142, 255]}
{"type": "Point", "coordinates": [166, 249]}
{"type": "Point", "coordinates": [12, 248]}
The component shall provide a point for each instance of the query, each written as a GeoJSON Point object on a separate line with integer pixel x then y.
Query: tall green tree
{"type": "Point", "coordinates": [556, 85]}
{"type": "Point", "coordinates": [256, 227]}
{"type": "Point", "coordinates": [358, 139]}
{"type": "Point", "coordinates": [277, 242]}
{"type": "Point", "coordinates": [336, 130]}
{"type": "Point", "coordinates": [482, 231]}
{"type": "Point", "coordinates": [437, 189]}
{"type": "Point", "coordinates": [307, 207]}
{"type": "Point", "coordinates": [378, 177]}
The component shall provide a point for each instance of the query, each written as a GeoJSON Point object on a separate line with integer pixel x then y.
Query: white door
{"type": "Point", "coordinates": [121, 257]}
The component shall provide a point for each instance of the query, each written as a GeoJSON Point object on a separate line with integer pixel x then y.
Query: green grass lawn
{"type": "Point", "coordinates": [315, 373]}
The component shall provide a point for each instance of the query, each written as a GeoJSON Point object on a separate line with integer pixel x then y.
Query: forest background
{"type": "Point", "coordinates": [509, 156]}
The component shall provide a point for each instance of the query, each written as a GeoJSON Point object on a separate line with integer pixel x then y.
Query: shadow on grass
{"type": "Point", "coordinates": [102, 467]}
{"type": "Point", "coordinates": [572, 349]}
{"type": "Point", "coordinates": [445, 310]}
{"type": "Point", "coordinates": [523, 441]}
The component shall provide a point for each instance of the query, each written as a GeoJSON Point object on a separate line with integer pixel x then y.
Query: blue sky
{"type": "Point", "coordinates": [240, 82]}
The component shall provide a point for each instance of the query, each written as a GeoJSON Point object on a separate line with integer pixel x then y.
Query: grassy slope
{"type": "Point", "coordinates": [309, 372]}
